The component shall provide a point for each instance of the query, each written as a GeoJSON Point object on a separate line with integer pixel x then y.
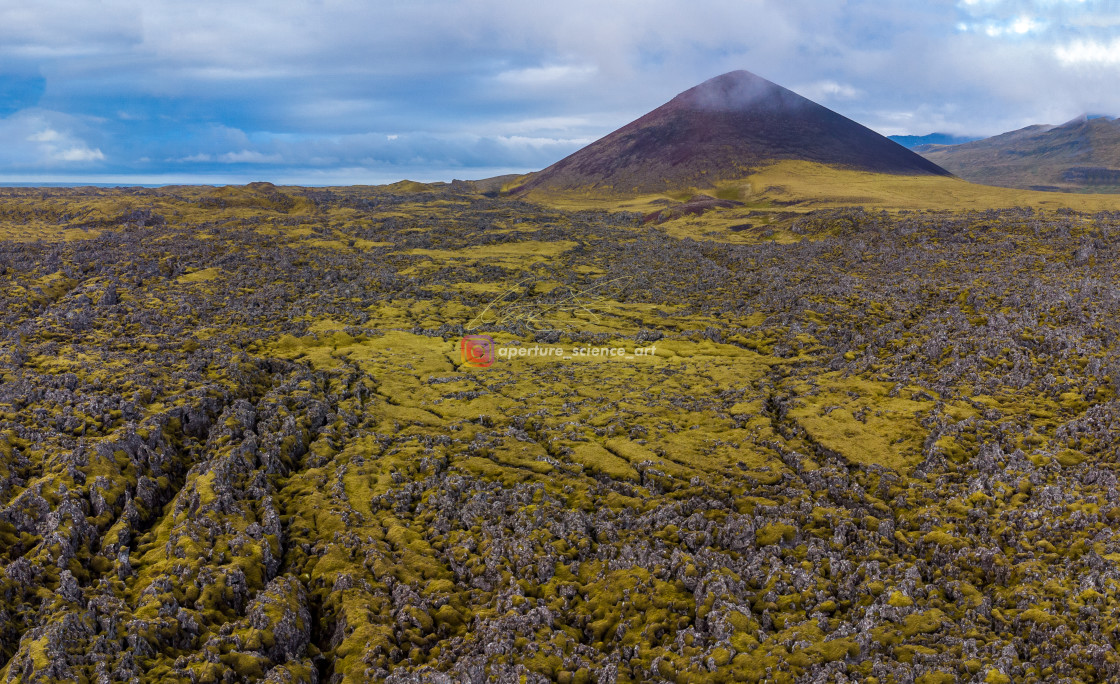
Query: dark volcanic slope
{"type": "Point", "coordinates": [722, 129]}
{"type": "Point", "coordinates": [1081, 155]}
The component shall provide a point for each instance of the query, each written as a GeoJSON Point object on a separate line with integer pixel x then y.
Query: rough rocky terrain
{"type": "Point", "coordinates": [238, 443]}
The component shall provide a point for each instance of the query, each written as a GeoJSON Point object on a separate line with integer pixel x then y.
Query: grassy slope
{"type": "Point", "coordinates": [776, 195]}
{"type": "Point", "coordinates": [806, 186]}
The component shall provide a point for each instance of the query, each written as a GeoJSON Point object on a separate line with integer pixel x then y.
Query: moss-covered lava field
{"type": "Point", "coordinates": [239, 442]}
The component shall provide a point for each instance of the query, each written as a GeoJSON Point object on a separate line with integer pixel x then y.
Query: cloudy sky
{"type": "Point", "coordinates": [347, 91]}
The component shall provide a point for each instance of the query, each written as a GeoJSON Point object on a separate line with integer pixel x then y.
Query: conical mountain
{"type": "Point", "coordinates": [724, 128]}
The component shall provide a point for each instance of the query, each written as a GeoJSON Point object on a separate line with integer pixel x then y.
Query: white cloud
{"type": "Point", "coordinates": [825, 91]}
{"type": "Point", "coordinates": [1089, 52]}
{"type": "Point", "coordinates": [523, 141]}
{"type": "Point", "coordinates": [250, 157]}
{"type": "Point", "coordinates": [1005, 27]}
{"type": "Point", "coordinates": [45, 136]}
{"type": "Point", "coordinates": [44, 139]}
{"type": "Point", "coordinates": [56, 29]}
{"type": "Point", "coordinates": [1025, 24]}
{"type": "Point", "coordinates": [78, 154]}
{"type": "Point", "coordinates": [546, 75]}
{"type": "Point", "coordinates": [546, 123]}
{"type": "Point", "coordinates": [1016, 26]}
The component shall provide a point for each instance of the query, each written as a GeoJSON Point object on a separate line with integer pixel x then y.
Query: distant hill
{"type": "Point", "coordinates": [724, 128]}
{"type": "Point", "coordinates": [1082, 155]}
{"type": "Point", "coordinates": [912, 141]}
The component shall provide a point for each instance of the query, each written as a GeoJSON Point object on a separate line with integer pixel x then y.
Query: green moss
{"type": "Point", "coordinates": [900, 600]}
{"type": "Point", "coordinates": [775, 533]}
{"type": "Point", "coordinates": [922, 623]}
{"type": "Point", "coordinates": [1069, 457]}
{"type": "Point", "coordinates": [1040, 616]}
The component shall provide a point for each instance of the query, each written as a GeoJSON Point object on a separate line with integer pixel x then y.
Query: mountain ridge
{"type": "Point", "coordinates": [1080, 155]}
